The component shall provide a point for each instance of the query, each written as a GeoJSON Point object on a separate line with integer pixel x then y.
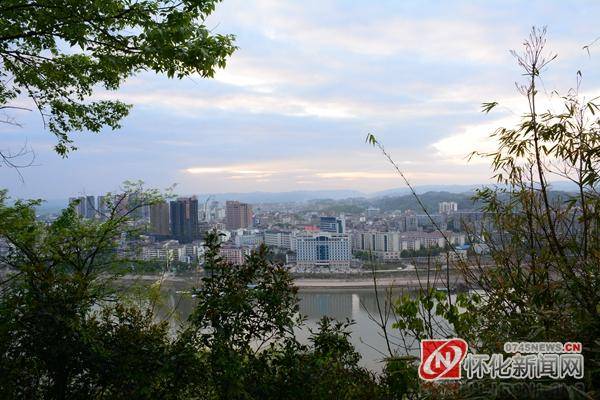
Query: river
{"type": "Point", "coordinates": [356, 304]}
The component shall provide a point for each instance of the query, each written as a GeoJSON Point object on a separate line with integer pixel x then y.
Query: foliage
{"type": "Point", "coordinates": [255, 300]}
{"type": "Point", "coordinates": [363, 255]}
{"type": "Point", "coordinates": [430, 313]}
{"type": "Point", "coordinates": [543, 284]}
{"type": "Point", "coordinates": [240, 306]}
{"type": "Point", "coordinates": [399, 379]}
{"type": "Point", "coordinates": [326, 370]}
{"type": "Point", "coordinates": [57, 52]}
{"type": "Point", "coordinates": [65, 332]}
{"type": "Point", "coordinates": [55, 341]}
{"type": "Point", "coordinates": [422, 252]}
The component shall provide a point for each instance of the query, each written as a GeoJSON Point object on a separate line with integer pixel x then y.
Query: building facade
{"type": "Point", "coordinates": [234, 255]}
{"type": "Point", "coordinates": [332, 224]}
{"type": "Point", "coordinates": [281, 239]}
{"type": "Point", "coordinates": [159, 219]}
{"type": "Point", "coordinates": [238, 215]}
{"type": "Point", "coordinates": [184, 219]}
{"type": "Point", "coordinates": [85, 207]}
{"type": "Point", "coordinates": [103, 205]}
{"type": "Point", "coordinates": [248, 238]}
{"type": "Point", "coordinates": [390, 245]}
{"type": "Point", "coordinates": [323, 249]}
{"type": "Point", "coordinates": [447, 207]}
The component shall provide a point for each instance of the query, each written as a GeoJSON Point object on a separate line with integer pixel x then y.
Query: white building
{"type": "Point", "coordinates": [189, 253]}
{"type": "Point", "coordinates": [234, 255]}
{"type": "Point", "coordinates": [389, 245]}
{"type": "Point", "coordinates": [447, 207]}
{"type": "Point", "coordinates": [281, 239]}
{"type": "Point", "coordinates": [173, 251]}
{"type": "Point", "coordinates": [323, 249]}
{"type": "Point", "coordinates": [248, 238]}
{"type": "Point", "coordinates": [168, 250]}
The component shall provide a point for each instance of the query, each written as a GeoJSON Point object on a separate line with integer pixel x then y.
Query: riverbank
{"type": "Point", "coordinates": [352, 282]}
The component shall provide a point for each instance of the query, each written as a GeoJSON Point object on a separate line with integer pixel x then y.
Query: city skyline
{"type": "Point", "coordinates": [299, 196]}
{"type": "Point", "coordinates": [293, 106]}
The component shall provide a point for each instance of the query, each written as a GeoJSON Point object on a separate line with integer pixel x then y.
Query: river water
{"type": "Point", "coordinates": [357, 305]}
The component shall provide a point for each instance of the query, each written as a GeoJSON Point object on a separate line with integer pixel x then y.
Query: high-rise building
{"type": "Point", "coordinates": [238, 215]}
{"type": "Point", "coordinates": [86, 206]}
{"type": "Point", "coordinates": [159, 218]}
{"type": "Point", "coordinates": [408, 221]}
{"type": "Point", "coordinates": [215, 212]}
{"type": "Point", "coordinates": [118, 204]}
{"type": "Point", "coordinates": [134, 204]}
{"type": "Point", "coordinates": [332, 224]}
{"type": "Point", "coordinates": [102, 207]}
{"type": "Point", "coordinates": [78, 205]}
{"type": "Point", "coordinates": [184, 219]}
{"type": "Point", "coordinates": [90, 207]}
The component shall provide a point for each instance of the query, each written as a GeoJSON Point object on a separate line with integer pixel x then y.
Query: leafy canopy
{"type": "Point", "coordinates": [57, 52]}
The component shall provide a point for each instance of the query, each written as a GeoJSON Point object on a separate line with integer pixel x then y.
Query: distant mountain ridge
{"type": "Point", "coordinates": [565, 186]}
{"type": "Point", "coordinates": [299, 196]}
{"type": "Point", "coordinates": [458, 192]}
{"type": "Point", "coordinates": [296, 196]}
{"type": "Point", "coordinates": [420, 189]}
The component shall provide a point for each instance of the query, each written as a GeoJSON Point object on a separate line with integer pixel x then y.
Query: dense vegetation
{"type": "Point", "coordinates": [65, 332]}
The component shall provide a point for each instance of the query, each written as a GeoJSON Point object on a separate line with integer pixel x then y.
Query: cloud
{"type": "Point", "coordinates": [264, 75]}
{"type": "Point", "coordinates": [456, 148]}
{"type": "Point", "coordinates": [377, 32]}
{"type": "Point", "coordinates": [309, 80]}
{"type": "Point", "coordinates": [254, 103]}
{"type": "Point", "coordinates": [353, 175]}
{"type": "Point", "coordinates": [365, 170]}
{"type": "Point", "coordinates": [328, 107]}
{"type": "Point", "coordinates": [227, 169]}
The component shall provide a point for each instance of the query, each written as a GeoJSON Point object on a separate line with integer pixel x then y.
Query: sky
{"type": "Point", "coordinates": [309, 81]}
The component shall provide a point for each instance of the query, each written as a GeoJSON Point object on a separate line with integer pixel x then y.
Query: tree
{"type": "Point", "coordinates": [241, 306]}
{"type": "Point", "coordinates": [67, 333]}
{"type": "Point", "coordinates": [545, 245]}
{"type": "Point", "coordinates": [245, 324]}
{"type": "Point", "coordinates": [63, 332]}
{"type": "Point", "coordinates": [58, 52]}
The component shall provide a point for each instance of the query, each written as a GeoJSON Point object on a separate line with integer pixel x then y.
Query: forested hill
{"type": "Point", "coordinates": [402, 202]}
{"type": "Point", "coordinates": [429, 199]}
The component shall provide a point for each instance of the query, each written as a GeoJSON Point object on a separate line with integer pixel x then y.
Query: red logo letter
{"type": "Point", "coordinates": [440, 359]}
